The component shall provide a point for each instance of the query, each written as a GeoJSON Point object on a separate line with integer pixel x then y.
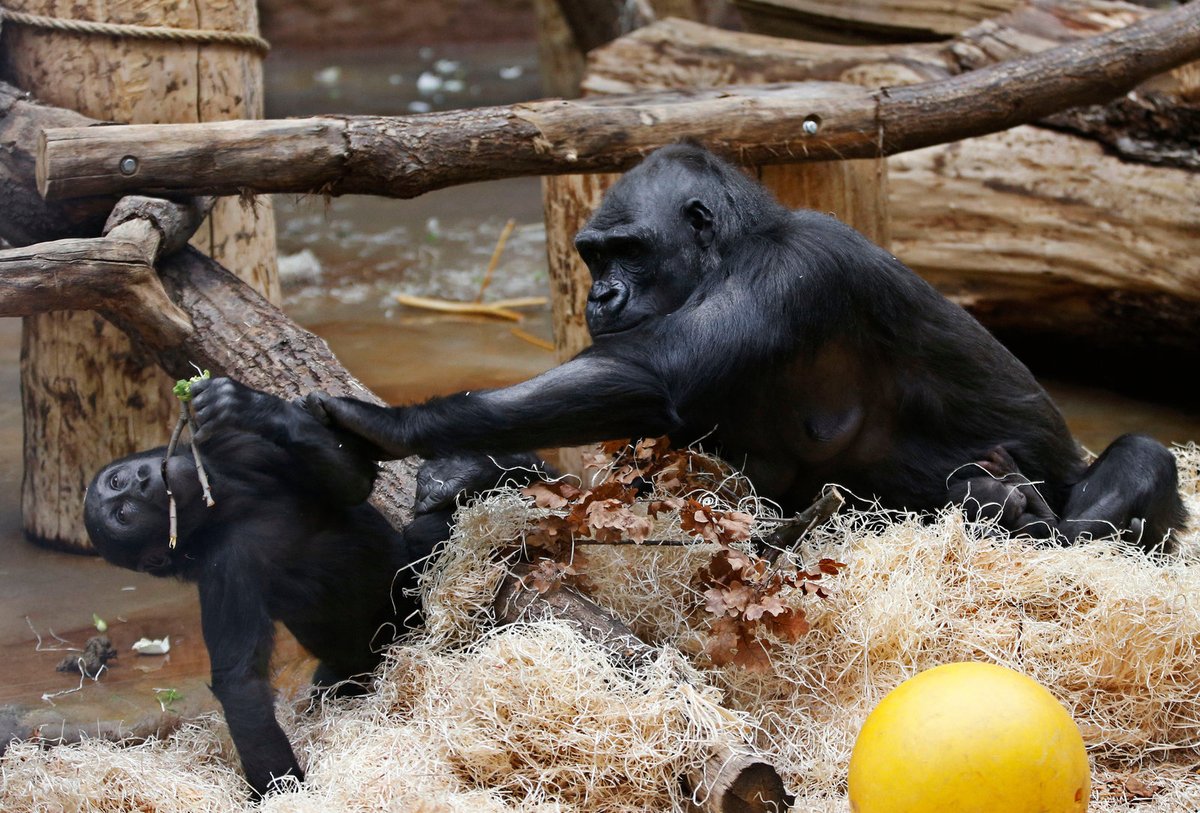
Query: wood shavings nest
{"type": "Point", "coordinates": [534, 718]}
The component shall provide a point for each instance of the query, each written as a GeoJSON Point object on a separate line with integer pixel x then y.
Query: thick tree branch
{"type": "Point", "coordinates": [404, 157]}
{"type": "Point", "coordinates": [1157, 123]}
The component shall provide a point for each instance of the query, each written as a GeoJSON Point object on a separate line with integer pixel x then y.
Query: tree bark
{"type": "Point", "coordinates": [24, 216]}
{"type": "Point", "coordinates": [87, 395]}
{"type": "Point", "coordinates": [1157, 124]}
{"type": "Point", "coordinates": [403, 157]}
{"type": "Point", "coordinates": [1044, 234]}
{"type": "Point", "coordinates": [859, 21]}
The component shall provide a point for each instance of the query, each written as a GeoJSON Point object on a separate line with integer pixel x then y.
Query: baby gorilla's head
{"type": "Point", "coordinates": [126, 514]}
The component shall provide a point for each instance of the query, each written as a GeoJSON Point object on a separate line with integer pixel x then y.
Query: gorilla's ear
{"type": "Point", "coordinates": [700, 219]}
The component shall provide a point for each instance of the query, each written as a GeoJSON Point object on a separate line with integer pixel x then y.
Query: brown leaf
{"type": "Point", "coordinates": [738, 596]}
{"type": "Point", "coordinates": [547, 576]}
{"type": "Point", "coordinates": [1136, 790]}
{"type": "Point", "coordinates": [739, 560]}
{"type": "Point", "coordinates": [767, 604]}
{"type": "Point", "coordinates": [830, 567]}
{"type": "Point", "coordinates": [735, 526]}
{"type": "Point", "coordinates": [551, 495]}
{"type": "Point", "coordinates": [722, 643]}
{"type": "Point", "coordinates": [752, 654]}
{"type": "Point", "coordinates": [790, 625]}
{"type": "Point", "coordinates": [714, 601]}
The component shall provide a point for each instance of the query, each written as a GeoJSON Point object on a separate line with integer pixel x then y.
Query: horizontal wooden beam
{"type": "Point", "coordinates": [407, 156]}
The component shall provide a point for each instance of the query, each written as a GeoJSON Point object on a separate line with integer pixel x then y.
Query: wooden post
{"type": "Point", "coordinates": [88, 395]}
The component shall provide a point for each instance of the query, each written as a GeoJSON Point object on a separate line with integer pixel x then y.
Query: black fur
{"type": "Point", "coordinates": [290, 538]}
{"type": "Point", "coordinates": [800, 351]}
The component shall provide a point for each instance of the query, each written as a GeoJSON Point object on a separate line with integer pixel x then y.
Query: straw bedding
{"type": "Point", "coordinates": [535, 718]}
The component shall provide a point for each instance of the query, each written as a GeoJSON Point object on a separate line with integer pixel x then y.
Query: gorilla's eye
{"type": "Point", "coordinates": [122, 514]}
{"type": "Point", "coordinates": [114, 480]}
{"type": "Point", "coordinates": [625, 248]}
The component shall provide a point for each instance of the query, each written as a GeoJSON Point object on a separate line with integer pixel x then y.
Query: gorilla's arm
{"type": "Point", "coordinates": [239, 635]}
{"type": "Point", "coordinates": [334, 466]}
{"type": "Point", "coordinates": [638, 383]}
{"type": "Point", "coordinates": [597, 395]}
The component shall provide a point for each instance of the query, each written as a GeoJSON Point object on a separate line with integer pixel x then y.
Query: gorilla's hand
{"type": "Point", "coordinates": [381, 427]}
{"type": "Point", "coordinates": [224, 404]}
{"type": "Point", "coordinates": [440, 481]}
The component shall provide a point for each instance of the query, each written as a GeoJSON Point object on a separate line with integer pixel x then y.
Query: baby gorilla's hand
{"type": "Point", "coordinates": [222, 403]}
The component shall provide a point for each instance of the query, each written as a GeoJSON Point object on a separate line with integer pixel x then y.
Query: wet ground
{"type": "Point", "coordinates": [344, 260]}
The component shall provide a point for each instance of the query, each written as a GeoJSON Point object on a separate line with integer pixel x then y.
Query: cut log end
{"type": "Point", "coordinates": [740, 783]}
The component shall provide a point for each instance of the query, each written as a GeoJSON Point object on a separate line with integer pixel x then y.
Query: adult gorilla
{"type": "Point", "coordinates": [801, 352]}
{"type": "Point", "coordinates": [290, 538]}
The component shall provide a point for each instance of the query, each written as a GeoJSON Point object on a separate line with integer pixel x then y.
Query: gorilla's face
{"type": "Point", "coordinates": [648, 247]}
{"type": "Point", "coordinates": [126, 510]}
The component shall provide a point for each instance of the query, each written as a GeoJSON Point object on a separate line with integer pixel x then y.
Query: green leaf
{"type": "Point", "coordinates": [183, 387]}
{"type": "Point", "coordinates": [100, 624]}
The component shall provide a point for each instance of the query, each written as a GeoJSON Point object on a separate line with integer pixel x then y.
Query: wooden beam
{"type": "Point", "coordinates": [407, 156]}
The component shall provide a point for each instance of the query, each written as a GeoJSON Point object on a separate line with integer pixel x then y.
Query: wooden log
{"type": "Point", "coordinates": [1045, 234]}
{"type": "Point", "coordinates": [113, 275]}
{"type": "Point", "coordinates": [77, 372]}
{"type": "Point", "coordinates": [1157, 124]}
{"type": "Point", "coordinates": [734, 779]}
{"type": "Point", "coordinates": [236, 331]}
{"type": "Point", "coordinates": [405, 156]}
{"type": "Point", "coordinates": [863, 21]}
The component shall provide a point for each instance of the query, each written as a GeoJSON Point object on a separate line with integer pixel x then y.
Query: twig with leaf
{"type": "Point", "coordinates": [183, 391]}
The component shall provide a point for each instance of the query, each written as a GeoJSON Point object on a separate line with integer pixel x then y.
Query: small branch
{"type": "Point", "coordinates": [502, 309]}
{"type": "Point", "coordinates": [200, 471]}
{"type": "Point", "coordinates": [495, 260]}
{"type": "Point", "coordinates": [791, 532]}
{"type": "Point", "coordinates": [172, 511]}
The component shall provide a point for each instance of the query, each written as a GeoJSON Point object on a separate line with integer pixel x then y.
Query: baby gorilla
{"type": "Point", "coordinates": [290, 538]}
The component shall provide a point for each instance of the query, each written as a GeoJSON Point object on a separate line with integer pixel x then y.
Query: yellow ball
{"type": "Point", "coordinates": [969, 738]}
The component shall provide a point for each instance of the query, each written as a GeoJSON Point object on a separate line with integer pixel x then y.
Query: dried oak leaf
{"type": "Point", "coordinates": [722, 643]}
{"type": "Point", "coordinates": [551, 495]}
{"type": "Point", "coordinates": [735, 526]}
{"type": "Point", "coordinates": [831, 567]}
{"type": "Point", "coordinates": [766, 604]}
{"type": "Point", "coordinates": [612, 520]}
{"type": "Point", "coordinates": [790, 625]}
{"type": "Point", "coordinates": [753, 654]}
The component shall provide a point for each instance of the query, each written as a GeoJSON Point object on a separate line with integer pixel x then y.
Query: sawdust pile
{"type": "Point", "coordinates": [534, 718]}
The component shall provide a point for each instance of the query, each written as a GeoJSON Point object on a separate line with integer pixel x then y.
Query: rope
{"type": "Point", "coordinates": [145, 32]}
